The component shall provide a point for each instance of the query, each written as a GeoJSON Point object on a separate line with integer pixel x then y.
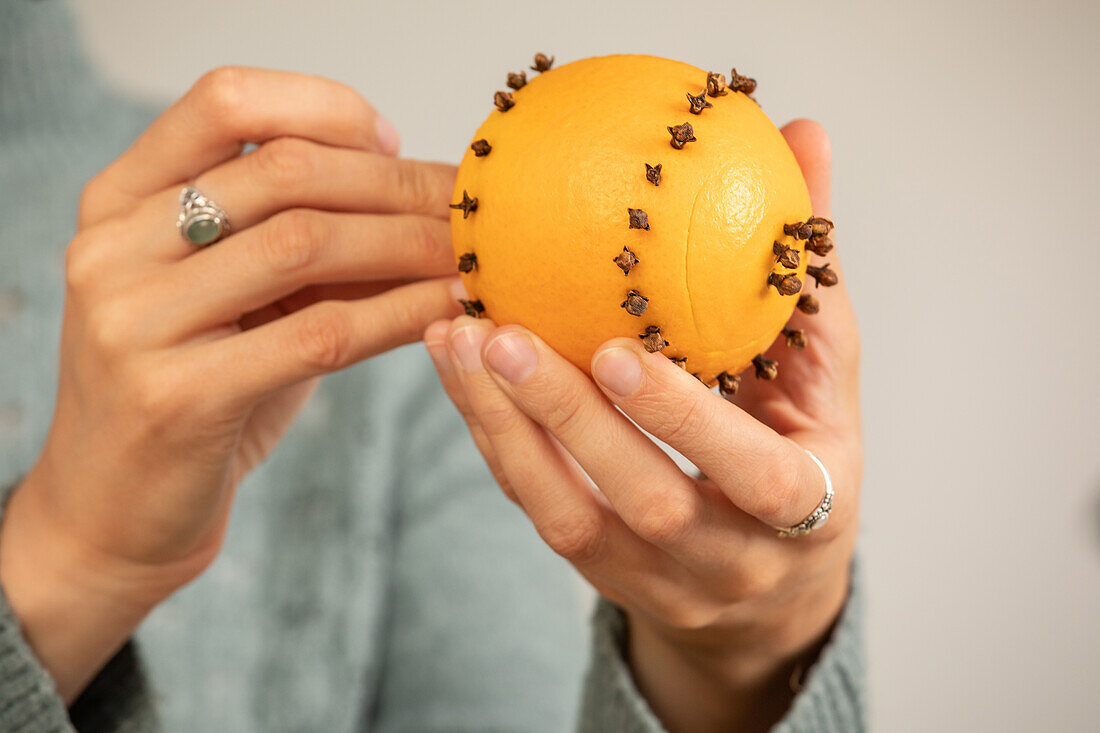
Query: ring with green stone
{"type": "Point", "coordinates": [201, 222]}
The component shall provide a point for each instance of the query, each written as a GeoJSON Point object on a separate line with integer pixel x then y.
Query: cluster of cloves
{"type": "Point", "coordinates": [789, 283]}
{"type": "Point", "coordinates": [504, 101]}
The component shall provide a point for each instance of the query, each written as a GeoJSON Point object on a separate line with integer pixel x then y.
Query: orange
{"type": "Point", "coordinates": [566, 164]}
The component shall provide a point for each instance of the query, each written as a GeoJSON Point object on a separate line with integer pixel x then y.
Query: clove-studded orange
{"type": "Point", "coordinates": [578, 239]}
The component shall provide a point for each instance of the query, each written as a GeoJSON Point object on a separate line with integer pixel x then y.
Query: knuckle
{"type": "Point", "coordinates": [566, 414]}
{"type": "Point", "coordinates": [80, 262]}
{"type": "Point", "coordinates": [285, 161]}
{"type": "Point", "coordinates": [774, 490]}
{"type": "Point", "coordinates": [687, 616]}
{"type": "Point", "coordinates": [687, 424]}
{"type": "Point", "coordinates": [669, 520]}
{"type": "Point", "coordinates": [324, 337]}
{"type": "Point", "coordinates": [415, 186]}
{"type": "Point", "coordinates": [499, 418]}
{"type": "Point", "coordinates": [91, 199]}
{"type": "Point", "coordinates": [579, 539]}
{"type": "Point", "coordinates": [106, 326]}
{"type": "Point", "coordinates": [221, 92]}
{"type": "Point", "coordinates": [155, 396]}
{"type": "Point", "coordinates": [292, 239]}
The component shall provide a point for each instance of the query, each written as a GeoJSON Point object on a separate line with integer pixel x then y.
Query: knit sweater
{"type": "Point", "coordinates": [373, 576]}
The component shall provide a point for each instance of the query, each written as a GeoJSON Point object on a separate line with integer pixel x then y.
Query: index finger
{"type": "Point", "coordinates": [225, 109]}
{"type": "Point", "coordinates": [763, 473]}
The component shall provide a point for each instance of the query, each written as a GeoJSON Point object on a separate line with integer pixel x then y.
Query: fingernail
{"type": "Point", "coordinates": [618, 369]}
{"type": "Point", "coordinates": [466, 344]}
{"type": "Point", "coordinates": [458, 290]}
{"type": "Point", "coordinates": [512, 356]}
{"type": "Point", "coordinates": [437, 350]}
{"type": "Point", "coordinates": [388, 138]}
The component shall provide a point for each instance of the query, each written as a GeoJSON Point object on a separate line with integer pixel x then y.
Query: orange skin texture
{"type": "Point", "coordinates": [568, 160]}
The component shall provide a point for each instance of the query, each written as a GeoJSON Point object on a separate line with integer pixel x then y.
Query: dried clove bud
{"type": "Point", "coordinates": [815, 226]}
{"type": "Point", "coordinates": [652, 339]}
{"type": "Point", "coordinates": [785, 284]}
{"type": "Point", "coordinates": [653, 174]}
{"type": "Point", "coordinates": [481, 147]}
{"type": "Point", "coordinates": [820, 245]}
{"type": "Point", "coordinates": [728, 384]}
{"type": "Point", "coordinates": [808, 304]}
{"type": "Point", "coordinates": [517, 81]}
{"type": "Point", "coordinates": [467, 204]}
{"type": "Point", "coordinates": [716, 84]}
{"type": "Point", "coordinates": [504, 101]}
{"type": "Point", "coordinates": [699, 103]}
{"type": "Point", "coordinates": [823, 275]}
{"type": "Point", "coordinates": [681, 135]}
{"type": "Point", "coordinates": [766, 369]}
{"type": "Point", "coordinates": [784, 255]}
{"type": "Point", "coordinates": [626, 261]}
{"type": "Point", "coordinates": [796, 338]}
{"type": "Point", "coordinates": [473, 308]}
{"type": "Point", "coordinates": [542, 63]}
{"type": "Point", "coordinates": [819, 226]}
{"type": "Point", "coordinates": [467, 262]}
{"type": "Point", "coordinates": [680, 361]}
{"type": "Point", "coordinates": [638, 219]}
{"type": "Point", "coordinates": [742, 84]}
{"type": "Point", "coordinates": [635, 303]}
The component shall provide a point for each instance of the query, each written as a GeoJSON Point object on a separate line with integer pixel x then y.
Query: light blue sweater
{"type": "Point", "coordinates": [374, 578]}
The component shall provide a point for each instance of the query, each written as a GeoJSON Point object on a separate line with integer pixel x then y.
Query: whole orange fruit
{"type": "Point", "coordinates": [586, 210]}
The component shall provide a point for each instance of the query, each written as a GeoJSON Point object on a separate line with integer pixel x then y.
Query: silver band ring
{"type": "Point", "coordinates": [819, 516]}
{"type": "Point", "coordinates": [201, 222]}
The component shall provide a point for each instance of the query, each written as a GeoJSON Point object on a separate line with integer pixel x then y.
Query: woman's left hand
{"type": "Point", "coordinates": [720, 609]}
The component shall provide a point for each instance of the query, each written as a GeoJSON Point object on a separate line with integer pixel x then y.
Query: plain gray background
{"type": "Point", "coordinates": [966, 155]}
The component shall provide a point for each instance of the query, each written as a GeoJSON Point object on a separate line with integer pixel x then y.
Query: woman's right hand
{"type": "Point", "coordinates": [182, 368]}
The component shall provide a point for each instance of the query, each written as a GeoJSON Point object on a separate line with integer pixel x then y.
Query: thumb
{"type": "Point", "coordinates": [810, 144]}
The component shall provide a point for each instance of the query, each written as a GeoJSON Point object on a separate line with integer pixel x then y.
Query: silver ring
{"type": "Point", "coordinates": [201, 222]}
{"type": "Point", "coordinates": [819, 516]}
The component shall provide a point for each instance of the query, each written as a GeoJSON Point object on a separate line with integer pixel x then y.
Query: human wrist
{"type": "Point", "coordinates": [739, 674]}
{"type": "Point", "coordinates": [75, 610]}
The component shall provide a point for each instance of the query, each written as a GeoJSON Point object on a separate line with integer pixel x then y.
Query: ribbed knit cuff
{"type": "Point", "coordinates": [831, 701]}
{"type": "Point", "coordinates": [117, 700]}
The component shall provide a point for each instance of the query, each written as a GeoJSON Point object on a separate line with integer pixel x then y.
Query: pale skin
{"type": "Point", "coordinates": [721, 612]}
{"type": "Point", "coordinates": [180, 371]}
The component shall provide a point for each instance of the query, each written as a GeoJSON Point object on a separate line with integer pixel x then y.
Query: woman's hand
{"type": "Point", "coordinates": [720, 609]}
{"type": "Point", "coordinates": [181, 368]}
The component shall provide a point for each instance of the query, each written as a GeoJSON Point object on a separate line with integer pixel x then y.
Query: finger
{"type": "Point", "coordinates": [435, 340]}
{"type": "Point", "coordinates": [322, 338]}
{"type": "Point", "coordinates": [288, 252]}
{"type": "Point", "coordinates": [568, 514]}
{"type": "Point", "coordinates": [293, 173]}
{"type": "Point", "coordinates": [762, 472]}
{"type": "Point", "coordinates": [644, 485]}
{"type": "Point", "coordinates": [225, 109]}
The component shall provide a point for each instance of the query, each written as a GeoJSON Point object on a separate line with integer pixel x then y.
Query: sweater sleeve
{"type": "Point", "coordinates": [117, 700]}
{"type": "Point", "coordinates": [831, 701]}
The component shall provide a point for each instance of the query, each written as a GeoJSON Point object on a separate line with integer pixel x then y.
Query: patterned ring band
{"type": "Point", "coordinates": [201, 221]}
{"type": "Point", "coordinates": [819, 516]}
